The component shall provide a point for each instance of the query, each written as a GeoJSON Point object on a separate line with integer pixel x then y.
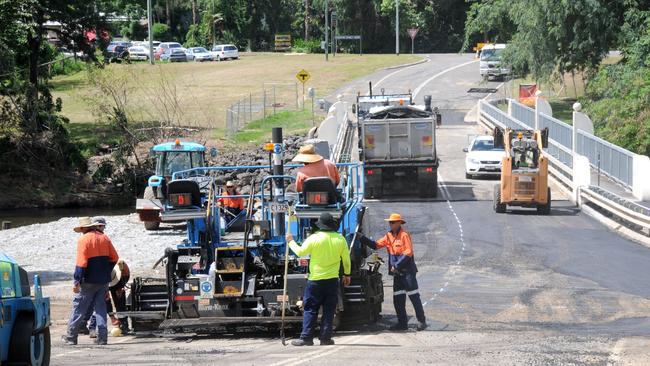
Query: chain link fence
{"type": "Point", "coordinates": [271, 99]}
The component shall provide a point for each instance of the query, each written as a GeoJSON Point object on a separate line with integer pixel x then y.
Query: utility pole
{"type": "Point", "coordinates": [327, 28]}
{"type": "Point", "coordinates": [149, 20]}
{"type": "Point", "coordinates": [397, 27]}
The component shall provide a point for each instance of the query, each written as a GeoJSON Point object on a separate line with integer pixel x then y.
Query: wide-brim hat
{"type": "Point", "coordinates": [85, 222]}
{"type": "Point", "coordinates": [116, 276]}
{"type": "Point", "coordinates": [394, 217]}
{"type": "Point", "coordinates": [327, 222]}
{"type": "Point", "coordinates": [307, 154]}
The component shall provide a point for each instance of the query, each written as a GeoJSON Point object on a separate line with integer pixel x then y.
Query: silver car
{"type": "Point", "coordinates": [199, 54]}
{"type": "Point", "coordinates": [222, 52]}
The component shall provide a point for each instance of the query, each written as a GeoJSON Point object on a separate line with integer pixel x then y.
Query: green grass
{"type": "Point", "coordinates": [89, 137]}
{"type": "Point", "coordinates": [292, 122]}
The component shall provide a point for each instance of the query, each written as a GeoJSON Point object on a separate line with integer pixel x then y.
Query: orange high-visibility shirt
{"type": "Point", "coordinates": [323, 168]}
{"type": "Point", "coordinates": [232, 202]}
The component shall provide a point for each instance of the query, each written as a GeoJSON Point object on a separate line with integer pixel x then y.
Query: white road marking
{"type": "Point", "coordinates": [497, 88]}
{"type": "Point", "coordinates": [421, 86]}
{"type": "Point", "coordinates": [303, 359]}
{"type": "Point", "coordinates": [447, 196]}
{"type": "Point", "coordinates": [398, 70]}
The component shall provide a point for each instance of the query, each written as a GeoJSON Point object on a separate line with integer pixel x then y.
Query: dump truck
{"type": "Point", "coordinates": [397, 144]}
{"type": "Point", "coordinates": [524, 170]}
{"type": "Point", "coordinates": [170, 157]}
{"type": "Point", "coordinates": [226, 276]}
{"type": "Point", "coordinates": [24, 319]}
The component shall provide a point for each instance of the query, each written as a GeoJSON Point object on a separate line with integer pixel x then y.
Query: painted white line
{"type": "Point", "coordinates": [497, 88]}
{"type": "Point", "coordinates": [419, 88]}
{"type": "Point", "coordinates": [326, 352]}
{"type": "Point", "coordinates": [399, 70]}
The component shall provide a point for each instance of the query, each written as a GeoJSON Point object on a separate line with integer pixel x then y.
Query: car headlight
{"type": "Point", "coordinates": [473, 161]}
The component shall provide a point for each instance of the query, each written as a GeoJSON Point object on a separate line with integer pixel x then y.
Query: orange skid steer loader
{"type": "Point", "coordinates": [524, 172]}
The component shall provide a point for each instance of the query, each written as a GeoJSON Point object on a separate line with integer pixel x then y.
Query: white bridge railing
{"type": "Point", "coordinates": [572, 169]}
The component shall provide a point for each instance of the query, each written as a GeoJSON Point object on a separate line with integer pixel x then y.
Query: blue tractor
{"type": "Point", "coordinates": [225, 276]}
{"type": "Point", "coordinates": [170, 157]}
{"type": "Point", "coordinates": [24, 319]}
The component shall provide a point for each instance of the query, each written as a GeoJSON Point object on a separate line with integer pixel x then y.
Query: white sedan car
{"type": "Point", "coordinates": [138, 53]}
{"type": "Point", "coordinates": [483, 159]}
{"type": "Point", "coordinates": [199, 54]}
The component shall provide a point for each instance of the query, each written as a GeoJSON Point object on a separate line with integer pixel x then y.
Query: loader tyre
{"type": "Point", "coordinates": [28, 347]}
{"type": "Point", "coordinates": [498, 206]}
{"type": "Point", "coordinates": [150, 195]}
{"type": "Point", "coordinates": [545, 209]}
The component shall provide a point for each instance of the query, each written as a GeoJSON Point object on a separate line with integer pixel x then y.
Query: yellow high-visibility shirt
{"type": "Point", "coordinates": [327, 249]}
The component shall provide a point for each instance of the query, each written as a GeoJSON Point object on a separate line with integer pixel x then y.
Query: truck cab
{"type": "Point", "coordinates": [490, 61]}
{"type": "Point", "coordinates": [24, 319]}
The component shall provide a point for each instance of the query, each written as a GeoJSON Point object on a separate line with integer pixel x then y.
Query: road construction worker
{"type": "Point", "coordinates": [315, 166]}
{"type": "Point", "coordinates": [327, 249]}
{"type": "Point", "coordinates": [120, 276]}
{"type": "Point", "coordinates": [403, 269]}
{"type": "Point", "coordinates": [96, 257]}
{"type": "Point", "coordinates": [232, 205]}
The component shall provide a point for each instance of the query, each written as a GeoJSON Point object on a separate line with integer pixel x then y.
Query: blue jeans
{"type": "Point", "coordinates": [91, 295]}
{"type": "Point", "coordinates": [323, 293]}
{"type": "Point", "coordinates": [406, 284]}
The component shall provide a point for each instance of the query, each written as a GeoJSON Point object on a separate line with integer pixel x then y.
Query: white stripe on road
{"type": "Point", "coordinates": [399, 70]}
{"type": "Point", "coordinates": [303, 359]}
{"type": "Point", "coordinates": [447, 196]}
{"type": "Point", "coordinates": [421, 86]}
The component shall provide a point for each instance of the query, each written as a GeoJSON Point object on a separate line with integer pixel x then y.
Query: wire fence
{"type": "Point", "coordinates": [271, 99]}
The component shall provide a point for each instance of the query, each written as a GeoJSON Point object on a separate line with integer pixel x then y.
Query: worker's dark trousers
{"type": "Point", "coordinates": [91, 295]}
{"type": "Point", "coordinates": [405, 284]}
{"type": "Point", "coordinates": [119, 298]}
{"type": "Point", "coordinates": [323, 293]}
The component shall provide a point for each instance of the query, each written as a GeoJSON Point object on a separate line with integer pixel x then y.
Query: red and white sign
{"type": "Point", "coordinates": [413, 32]}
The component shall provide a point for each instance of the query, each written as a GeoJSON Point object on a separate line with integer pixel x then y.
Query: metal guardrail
{"type": "Point", "coordinates": [614, 161]}
{"type": "Point", "coordinates": [523, 114]}
{"type": "Point", "coordinates": [635, 216]}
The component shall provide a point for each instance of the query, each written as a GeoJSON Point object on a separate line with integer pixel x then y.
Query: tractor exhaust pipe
{"type": "Point", "coordinates": [278, 169]}
{"type": "Point", "coordinates": [370, 88]}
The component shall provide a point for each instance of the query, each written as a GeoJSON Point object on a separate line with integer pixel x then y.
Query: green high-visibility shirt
{"type": "Point", "coordinates": [327, 250]}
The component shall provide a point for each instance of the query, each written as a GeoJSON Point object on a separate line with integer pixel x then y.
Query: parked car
{"type": "Point", "coordinates": [116, 52]}
{"type": "Point", "coordinates": [174, 55]}
{"type": "Point", "coordinates": [164, 46]}
{"type": "Point", "coordinates": [198, 54]}
{"type": "Point", "coordinates": [224, 52]}
{"type": "Point", "coordinates": [138, 53]}
{"type": "Point", "coordinates": [483, 158]}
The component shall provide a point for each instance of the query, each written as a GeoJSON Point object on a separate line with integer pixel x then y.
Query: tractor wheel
{"type": "Point", "coordinates": [150, 195]}
{"type": "Point", "coordinates": [27, 348]}
{"type": "Point", "coordinates": [545, 209]}
{"type": "Point", "coordinates": [498, 206]}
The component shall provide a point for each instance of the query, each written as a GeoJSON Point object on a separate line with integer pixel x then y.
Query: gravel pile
{"type": "Point", "coordinates": [50, 249]}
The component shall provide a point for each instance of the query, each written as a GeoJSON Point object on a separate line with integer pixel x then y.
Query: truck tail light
{"type": "Point", "coordinates": [304, 262]}
{"type": "Point", "coordinates": [428, 170]}
{"type": "Point", "coordinates": [370, 172]}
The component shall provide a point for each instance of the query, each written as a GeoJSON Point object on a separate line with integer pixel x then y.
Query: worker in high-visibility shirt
{"type": "Point", "coordinates": [233, 205]}
{"type": "Point", "coordinates": [327, 249]}
{"type": "Point", "coordinates": [315, 166]}
{"type": "Point", "coordinates": [401, 266]}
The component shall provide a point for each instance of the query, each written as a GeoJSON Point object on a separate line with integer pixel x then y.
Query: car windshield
{"type": "Point", "coordinates": [491, 55]}
{"type": "Point", "coordinates": [230, 48]}
{"type": "Point", "coordinates": [199, 50]}
{"type": "Point", "coordinates": [176, 161]}
{"type": "Point", "coordinates": [175, 45]}
{"type": "Point", "coordinates": [216, 48]}
{"type": "Point", "coordinates": [485, 145]}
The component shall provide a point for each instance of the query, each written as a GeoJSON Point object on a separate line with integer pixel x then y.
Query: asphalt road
{"type": "Point", "coordinates": [509, 289]}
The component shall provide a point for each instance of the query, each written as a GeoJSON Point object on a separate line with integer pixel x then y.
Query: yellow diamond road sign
{"type": "Point", "coordinates": [303, 75]}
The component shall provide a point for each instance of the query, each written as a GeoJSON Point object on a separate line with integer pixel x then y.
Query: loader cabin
{"type": "Point", "coordinates": [176, 156]}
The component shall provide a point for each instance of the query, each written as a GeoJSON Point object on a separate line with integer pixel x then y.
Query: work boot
{"type": "Point", "coordinates": [83, 330]}
{"type": "Point", "coordinates": [302, 342]}
{"type": "Point", "coordinates": [100, 342]}
{"type": "Point", "coordinates": [398, 327]}
{"type": "Point", "coordinates": [68, 341]}
{"type": "Point", "coordinates": [422, 326]}
{"type": "Point", "coordinates": [327, 342]}
{"type": "Point", "coordinates": [92, 333]}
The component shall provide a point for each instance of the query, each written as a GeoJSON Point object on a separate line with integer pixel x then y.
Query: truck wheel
{"type": "Point", "coordinates": [28, 348]}
{"type": "Point", "coordinates": [498, 206]}
{"type": "Point", "coordinates": [545, 209]}
{"type": "Point", "coordinates": [150, 195]}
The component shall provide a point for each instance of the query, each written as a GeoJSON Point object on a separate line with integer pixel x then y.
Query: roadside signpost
{"type": "Point", "coordinates": [413, 32]}
{"type": "Point", "coordinates": [303, 76]}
